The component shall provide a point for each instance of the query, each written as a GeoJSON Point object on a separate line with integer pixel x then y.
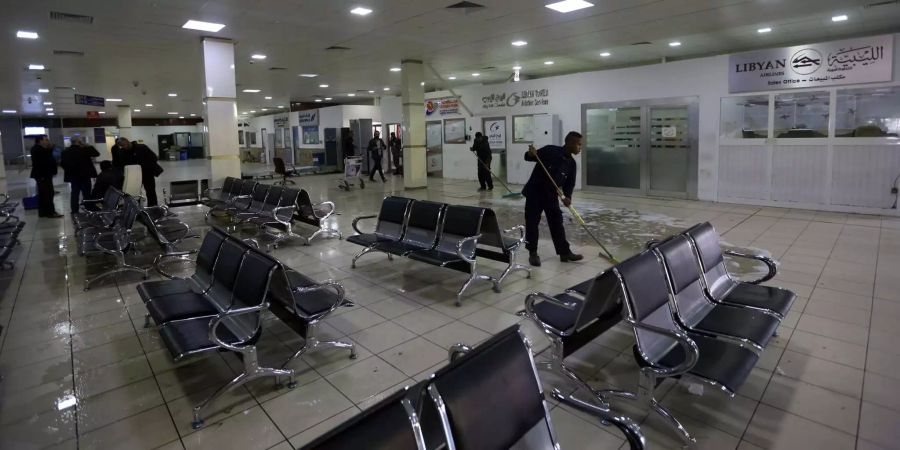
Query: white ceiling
{"type": "Point", "coordinates": [142, 41]}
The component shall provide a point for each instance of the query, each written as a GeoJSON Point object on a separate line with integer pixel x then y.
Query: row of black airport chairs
{"type": "Point", "coordinates": [10, 228]}
{"type": "Point", "coordinates": [450, 236]}
{"type": "Point", "coordinates": [487, 398]}
{"type": "Point", "coordinates": [247, 202]}
{"type": "Point", "coordinates": [221, 306]}
{"type": "Point", "coordinates": [690, 317]}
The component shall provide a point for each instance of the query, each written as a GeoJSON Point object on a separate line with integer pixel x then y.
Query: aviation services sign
{"type": "Point", "coordinates": [864, 60]}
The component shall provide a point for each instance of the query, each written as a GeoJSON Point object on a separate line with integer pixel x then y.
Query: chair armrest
{"type": "Point", "coordinates": [238, 197]}
{"type": "Point", "coordinates": [5, 198]}
{"type": "Point", "coordinates": [278, 209]}
{"type": "Point", "coordinates": [771, 265]}
{"type": "Point", "coordinates": [330, 206]}
{"type": "Point", "coordinates": [356, 221]}
{"type": "Point", "coordinates": [158, 262]}
{"type": "Point", "coordinates": [532, 298]}
{"type": "Point", "coordinates": [457, 350]}
{"type": "Point", "coordinates": [213, 324]}
{"type": "Point", "coordinates": [205, 192]}
{"type": "Point", "coordinates": [520, 229]}
{"type": "Point", "coordinates": [651, 243]}
{"type": "Point", "coordinates": [687, 344]}
{"type": "Point", "coordinates": [629, 428]}
{"type": "Point", "coordinates": [327, 284]}
{"type": "Point", "coordinates": [163, 208]}
{"type": "Point", "coordinates": [459, 248]}
{"type": "Point", "coordinates": [91, 200]}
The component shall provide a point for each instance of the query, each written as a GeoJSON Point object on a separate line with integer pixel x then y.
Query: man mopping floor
{"type": "Point", "coordinates": [543, 196]}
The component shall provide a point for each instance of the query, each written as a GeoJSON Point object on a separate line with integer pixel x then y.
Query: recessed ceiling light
{"type": "Point", "coordinates": [251, 91]}
{"type": "Point", "coordinates": [395, 69]}
{"type": "Point", "coordinates": [245, 112]}
{"type": "Point", "coordinates": [451, 78]}
{"type": "Point", "coordinates": [386, 89]}
{"type": "Point", "coordinates": [257, 56]}
{"type": "Point", "coordinates": [308, 75]}
{"type": "Point", "coordinates": [422, 84]}
{"type": "Point", "coordinates": [193, 115]}
{"type": "Point", "coordinates": [51, 114]}
{"type": "Point", "coordinates": [252, 111]}
{"type": "Point", "coordinates": [114, 100]}
{"type": "Point", "coordinates": [265, 109]}
{"type": "Point", "coordinates": [327, 98]}
{"type": "Point", "coordinates": [268, 97]}
{"type": "Point", "coordinates": [548, 63]}
{"type": "Point", "coordinates": [764, 30]}
{"type": "Point", "coordinates": [172, 113]}
{"type": "Point", "coordinates": [43, 91]}
{"type": "Point", "coordinates": [48, 103]}
{"type": "Point", "coordinates": [351, 95]}
{"type": "Point", "coordinates": [839, 18]}
{"type": "Point", "coordinates": [102, 112]}
{"type": "Point", "coordinates": [137, 110]}
{"type": "Point", "coordinates": [173, 94]}
{"type": "Point", "coordinates": [360, 11]}
{"type": "Point", "coordinates": [517, 67]}
{"type": "Point", "coordinates": [674, 44]}
{"type": "Point", "coordinates": [606, 54]}
{"type": "Point", "coordinates": [149, 105]}
{"type": "Point", "coordinates": [323, 86]}
{"type": "Point", "coordinates": [567, 6]}
{"type": "Point", "coordinates": [318, 100]}
{"type": "Point", "coordinates": [9, 111]}
{"type": "Point", "coordinates": [281, 106]}
{"type": "Point", "coordinates": [476, 74]}
{"type": "Point", "coordinates": [371, 92]}
{"type": "Point", "coordinates": [26, 34]}
{"type": "Point", "coordinates": [519, 43]}
{"type": "Point", "coordinates": [202, 26]}
{"type": "Point", "coordinates": [181, 117]}
{"type": "Point", "coordinates": [49, 110]}
{"type": "Point", "coordinates": [35, 67]}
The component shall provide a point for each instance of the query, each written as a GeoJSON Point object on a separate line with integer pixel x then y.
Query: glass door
{"type": "Point", "coordinates": [613, 147]}
{"type": "Point", "coordinates": [670, 146]}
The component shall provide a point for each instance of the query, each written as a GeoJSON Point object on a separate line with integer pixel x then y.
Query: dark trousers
{"type": "Point", "coordinates": [484, 175]}
{"type": "Point", "coordinates": [549, 206]}
{"type": "Point", "coordinates": [45, 196]}
{"type": "Point", "coordinates": [376, 167]}
{"type": "Point", "coordinates": [150, 190]}
{"type": "Point", "coordinates": [78, 189]}
{"type": "Point", "coordinates": [396, 154]}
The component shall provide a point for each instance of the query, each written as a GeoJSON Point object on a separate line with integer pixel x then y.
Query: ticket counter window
{"type": "Point", "coordinates": [745, 117]}
{"type": "Point", "coordinates": [868, 113]}
{"type": "Point", "coordinates": [801, 115]}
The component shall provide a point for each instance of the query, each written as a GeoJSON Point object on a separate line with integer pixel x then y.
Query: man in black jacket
{"type": "Point", "coordinates": [482, 150]}
{"type": "Point", "coordinates": [541, 195]}
{"type": "Point", "coordinates": [109, 176]}
{"type": "Point", "coordinates": [79, 168]}
{"type": "Point", "coordinates": [43, 168]}
{"type": "Point", "coordinates": [396, 152]}
{"type": "Point", "coordinates": [127, 153]}
{"type": "Point", "coordinates": [376, 152]}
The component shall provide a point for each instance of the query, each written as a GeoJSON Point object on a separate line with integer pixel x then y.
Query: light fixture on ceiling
{"type": "Point", "coordinates": [258, 56]}
{"type": "Point", "coordinates": [451, 78]}
{"type": "Point", "coordinates": [193, 115]}
{"type": "Point", "coordinates": [361, 11]}
{"type": "Point", "coordinates": [252, 111]}
{"type": "Point", "coordinates": [281, 106]}
{"type": "Point", "coordinates": [244, 112]}
{"type": "Point", "coordinates": [371, 92]}
{"type": "Point", "coordinates": [318, 100]}
{"type": "Point", "coordinates": [606, 54]}
{"type": "Point", "coordinates": [49, 110]}
{"type": "Point", "coordinates": [839, 18]}
{"type": "Point", "coordinates": [149, 105]}
{"type": "Point", "coordinates": [9, 111]}
{"type": "Point", "coordinates": [548, 63]}
{"type": "Point", "coordinates": [251, 91]}
{"type": "Point", "coordinates": [265, 109]}
{"type": "Point", "coordinates": [43, 91]}
{"type": "Point", "coordinates": [327, 99]}
{"type": "Point", "coordinates": [519, 43]}
{"type": "Point", "coordinates": [567, 6]}
{"type": "Point", "coordinates": [268, 97]}
{"type": "Point", "coordinates": [476, 74]}
{"type": "Point", "coordinates": [102, 112]}
{"type": "Point", "coordinates": [308, 75]}
{"type": "Point", "coordinates": [386, 89]}
{"type": "Point", "coordinates": [203, 26]}
{"type": "Point", "coordinates": [51, 114]}
{"type": "Point", "coordinates": [35, 67]}
{"type": "Point", "coordinates": [114, 100]}
{"type": "Point", "coordinates": [395, 69]}
{"type": "Point", "coordinates": [674, 44]}
{"type": "Point", "coordinates": [422, 84]}
{"type": "Point", "coordinates": [21, 34]}
{"type": "Point", "coordinates": [173, 94]}
{"type": "Point", "coordinates": [137, 110]}
{"type": "Point", "coordinates": [181, 117]}
{"type": "Point", "coordinates": [764, 30]}
{"type": "Point", "coordinates": [172, 113]}
{"type": "Point", "coordinates": [323, 86]}
{"type": "Point", "coordinates": [351, 95]}
{"type": "Point", "coordinates": [48, 103]}
{"type": "Point", "coordinates": [517, 67]}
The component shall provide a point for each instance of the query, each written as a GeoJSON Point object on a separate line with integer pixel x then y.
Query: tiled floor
{"type": "Point", "coordinates": [80, 371]}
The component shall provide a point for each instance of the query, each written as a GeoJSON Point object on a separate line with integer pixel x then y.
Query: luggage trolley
{"type": "Point", "coordinates": [352, 170]}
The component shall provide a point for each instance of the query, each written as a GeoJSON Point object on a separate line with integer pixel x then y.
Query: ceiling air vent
{"type": "Point", "coordinates": [277, 68]}
{"type": "Point", "coordinates": [485, 69]}
{"type": "Point", "coordinates": [67, 53]}
{"type": "Point", "coordinates": [337, 47]}
{"type": "Point", "coordinates": [465, 5]}
{"type": "Point", "coordinates": [884, 3]}
{"type": "Point", "coordinates": [641, 43]}
{"type": "Point", "coordinates": [73, 18]}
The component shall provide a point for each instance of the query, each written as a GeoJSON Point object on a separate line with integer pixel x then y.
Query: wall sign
{"type": "Point", "coordinates": [281, 121]}
{"type": "Point", "coordinates": [308, 118]}
{"type": "Point", "coordinates": [495, 130]}
{"type": "Point", "coordinates": [455, 131]}
{"type": "Point", "coordinates": [89, 100]}
{"type": "Point", "coordinates": [525, 97]}
{"type": "Point", "coordinates": [444, 106]}
{"type": "Point", "coordinates": [851, 61]}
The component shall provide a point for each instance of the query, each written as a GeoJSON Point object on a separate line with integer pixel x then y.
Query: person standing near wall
{"type": "Point", "coordinates": [127, 153]}
{"type": "Point", "coordinates": [43, 169]}
{"type": "Point", "coordinates": [396, 152]}
{"type": "Point", "coordinates": [376, 152]}
{"type": "Point", "coordinates": [78, 165]}
{"type": "Point", "coordinates": [482, 150]}
{"type": "Point", "coordinates": [541, 195]}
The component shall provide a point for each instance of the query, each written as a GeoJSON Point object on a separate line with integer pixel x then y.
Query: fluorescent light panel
{"type": "Point", "coordinates": [35, 67]}
{"type": "Point", "coordinates": [395, 69]}
{"type": "Point", "coordinates": [548, 63]}
{"type": "Point", "coordinates": [323, 86]}
{"type": "Point", "coordinates": [361, 11]}
{"type": "Point", "coordinates": [386, 89]}
{"type": "Point", "coordinates": [519, 43]}
{"type": "Point", "coordinates": [43, 91]}
{"type": "Point", "coordinates": [9, 111]}
{"type": "Point", "coordinates": [258, 56]}
{"type": "Point", "coordinates": [172, 94]}
{"type": "Point", "coordinates": [251, 91]}
{"type": "Point", "coordinates": [309, 75]}
{"type": "Point", "coordinates": [318, 100]}
{"type": "Point", "coordinates": [839, 18]}
{"type": "Point", "coordinates": [268, 97]}
{"type": "Point", "coordinates": [114, 100]}
{"type": "Point", "coordinates": [606, 54]}
{"type": "Point", "coordinates": [48, 103]}
{"type": "Point", "coordinates": [567, 6]}
{"type": "Point", "coordinates": [21, 34]}
{"type": "Point", "coordinates": [674, 44]}
{"type": "Point", "coordinates": [764, 30]}
{"type": "Point", "coordinates": [203, 26]}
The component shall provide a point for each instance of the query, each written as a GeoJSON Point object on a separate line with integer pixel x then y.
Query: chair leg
{"type": "Point", "coordinates": [312, 343]}
{"type": "Point", "coordinates": [359, 255]}
{"type": "Point", "coordinates": [646, 386]}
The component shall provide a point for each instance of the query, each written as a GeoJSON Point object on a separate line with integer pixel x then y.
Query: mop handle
{"type": "Point", "coordinates": [559, 191]}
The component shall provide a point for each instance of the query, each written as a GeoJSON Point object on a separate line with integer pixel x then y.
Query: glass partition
{"type": "Point", "coordinates": [745, 117]}
{"type": "Point", "coordinates": [613, 147]}
{"type": "Point", "coordinates": [868, 112]}
{"type": "Point", "coordinates": [801, 115]}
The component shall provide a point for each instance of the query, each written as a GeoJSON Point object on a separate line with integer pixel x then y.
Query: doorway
{"type": "Point", "coordinates": [646, 147]}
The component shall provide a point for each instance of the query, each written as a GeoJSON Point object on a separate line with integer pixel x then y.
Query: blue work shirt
{"type": "Point", "coordinates": [561, 166]}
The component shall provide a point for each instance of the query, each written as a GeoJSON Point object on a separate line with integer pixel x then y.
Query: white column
{"type": "Point", "coordinates": [124, 112]}
{"type": "Point", "coordinates": [415, 171]}
{"type": "Point", "coordinates": [220, 114]}
{"type": "Point", "coordinates": [2, 168]}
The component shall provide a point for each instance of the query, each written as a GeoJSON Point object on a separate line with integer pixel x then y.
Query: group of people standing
{"type": "Point", "coordinates": [376, 149]}
{"type": "Point", "coordinates": [77, 162]}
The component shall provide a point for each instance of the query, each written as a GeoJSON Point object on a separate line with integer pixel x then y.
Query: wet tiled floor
{"type": "Point", "coordinates": [80, 371]}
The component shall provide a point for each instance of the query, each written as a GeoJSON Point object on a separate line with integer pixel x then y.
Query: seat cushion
{"type": "Point", "coordinates": [719, 361]}
{"type": "Point", "coordinates": [309, 303]}
{"type": "Point", "coordinates": [398, 247]}
{"type": "Point", "coordinates": [179, 306]}
{"type": "Point", "coordinates": [159, 288]}
{"type": "Point", "coordinates": [436, 257]}
{"type": "Point", "coordinates": [744, 323]}
{"type": "Point", "coordinates": [758, 296]}
{"type": "Point", "coordinates": [191, 336]}
{"type": "Point", "coordinates": [583, 287]}
{"type": "Point", "coordinates": [365, 240]}
{"type": "Point", "coordinates": [563, 319]}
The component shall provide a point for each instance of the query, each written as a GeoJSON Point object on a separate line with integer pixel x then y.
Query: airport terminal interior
{"type": "Point", "coordinates": [424, 224]}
